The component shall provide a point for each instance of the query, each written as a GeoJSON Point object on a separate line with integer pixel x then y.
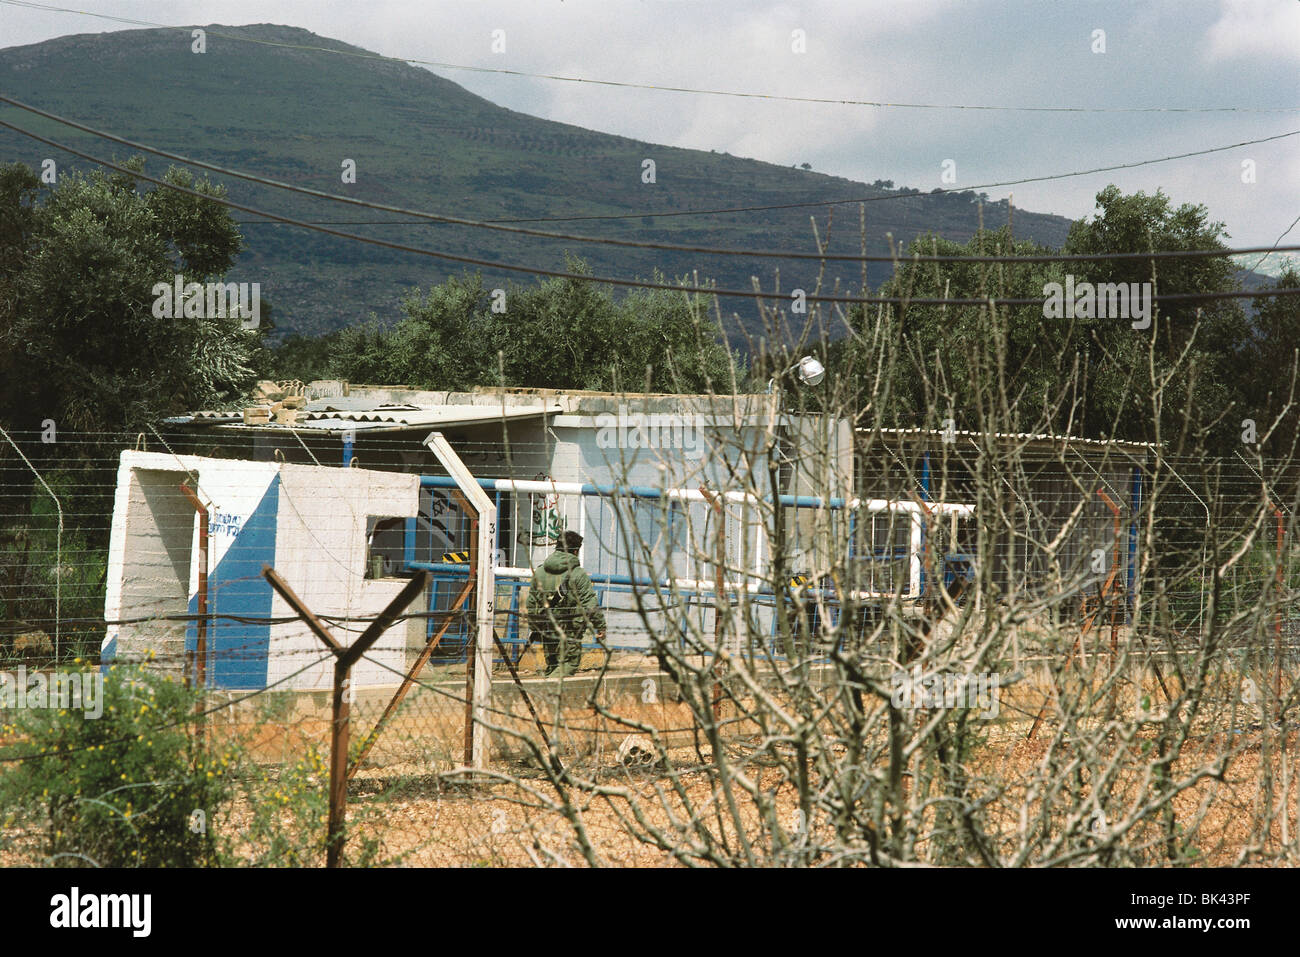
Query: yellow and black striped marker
{"type": "Point", "coordinates": [456, 558]}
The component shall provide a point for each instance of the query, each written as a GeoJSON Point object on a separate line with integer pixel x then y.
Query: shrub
{"type": "Point", "coordinates": [121, 789]}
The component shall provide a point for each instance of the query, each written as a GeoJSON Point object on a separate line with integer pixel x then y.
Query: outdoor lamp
{"type": "Point", "coordinates": [808, 369]}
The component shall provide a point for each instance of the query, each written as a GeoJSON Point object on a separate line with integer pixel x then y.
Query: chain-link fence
{"type": "Point", "coordinates": [995, 648]}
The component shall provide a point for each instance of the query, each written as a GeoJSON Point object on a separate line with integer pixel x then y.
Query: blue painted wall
{"type": "Point", "coordinates": [238, 650]}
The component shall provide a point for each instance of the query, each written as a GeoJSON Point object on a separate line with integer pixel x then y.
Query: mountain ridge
{"type": "Point", "coordinates": [422, 141]}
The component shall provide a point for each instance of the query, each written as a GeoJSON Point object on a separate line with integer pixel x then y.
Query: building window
{"type": "Point", "coordinates": [386, 547]}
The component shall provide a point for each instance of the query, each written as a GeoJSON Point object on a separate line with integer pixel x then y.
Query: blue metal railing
{"type": "Point", "coordinates": [448, 576]}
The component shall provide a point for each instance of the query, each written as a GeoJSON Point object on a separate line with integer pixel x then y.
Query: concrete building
{"type": "Point", "coordinates": [308, 522]}
{"type": "Point", "coordinates": [625, 471]}
{"type": "Point", "coordinates": [622, 470]}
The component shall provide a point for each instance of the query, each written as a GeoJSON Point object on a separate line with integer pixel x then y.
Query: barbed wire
{"type": "Point", "coordinates": [180, 722]}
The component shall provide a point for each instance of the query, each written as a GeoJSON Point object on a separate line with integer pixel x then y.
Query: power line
{"type": "Point", "coordinates": [607, 280]}
{"type": "Point", "coordinates": [1277, 247]}
{"type": "Point", "coordinates": [895, 196]}
{"type": "Point", "coordinates": [663, 88]}
{"type": "Point", "coordinates": [636, 244]}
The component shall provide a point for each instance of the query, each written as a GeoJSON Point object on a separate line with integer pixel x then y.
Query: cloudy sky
{"type": "Point", "coordinates": [1168, 54]}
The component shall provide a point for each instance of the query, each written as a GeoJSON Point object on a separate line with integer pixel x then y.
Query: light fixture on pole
{"type": "Point", "coordinates": [809, 370]}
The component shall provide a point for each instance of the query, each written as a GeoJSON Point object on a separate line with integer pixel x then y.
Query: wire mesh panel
{"type": "Point", "coordinates": [881, 552]}
{"type": "Point", "coordinates": [1172, 555]}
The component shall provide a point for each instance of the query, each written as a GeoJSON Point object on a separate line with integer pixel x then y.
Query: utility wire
{"type": "Point", "coordinates": [719, 210]}
{"type": "Point", "coordinates": [663, 88]}
{"type": "Point", "coordinates": [895, 196]}
{"type": "Point", "coordinates": [636, 244]}
{"type": "Point", "coordinates": [1277, 247]}
{"type": "Point", "coordinates": [608, 280]}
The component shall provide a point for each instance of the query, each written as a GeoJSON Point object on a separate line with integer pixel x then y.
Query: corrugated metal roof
{"type": "Point", "coordinates": [445, 415]}
{"type": "Point", "coordinates": [387, 418]}
{"type": "Point", "coordinates": [215, 414]}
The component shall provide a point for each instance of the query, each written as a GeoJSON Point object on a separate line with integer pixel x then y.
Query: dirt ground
{"type": "Point", "coordinates": [423, 813]}
{"type": "Point", "coordinates": [503, 826]}
{"type": "Point", "coordinates": [427, 821]}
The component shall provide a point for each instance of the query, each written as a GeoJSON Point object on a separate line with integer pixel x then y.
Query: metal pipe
{"type": "Point", "coordinates": [694, 495]}
{"type": "Point", "coordinates": [201, 625]}
{"type": "Point", "coordinates": [687, 584]}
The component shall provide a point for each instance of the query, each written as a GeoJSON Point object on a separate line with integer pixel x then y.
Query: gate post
{"type": "Point", "coordinates": [479, 662]}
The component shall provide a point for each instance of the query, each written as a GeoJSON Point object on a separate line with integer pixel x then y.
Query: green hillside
{"type": "Point", "coordinates": [422, 141]}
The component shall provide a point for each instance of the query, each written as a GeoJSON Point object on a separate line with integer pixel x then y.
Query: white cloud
{"type": "Point", "coordinates": [1002, 52]}
{"type": "Point", "coordinates": [1254, 28]}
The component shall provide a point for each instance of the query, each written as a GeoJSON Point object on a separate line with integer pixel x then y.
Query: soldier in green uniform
{"type": "Point", "coordinates": [562, 605]}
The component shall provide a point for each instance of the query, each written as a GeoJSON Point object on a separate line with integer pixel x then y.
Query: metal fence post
{"type": "Point", "coordinates": [200, 660]}
{"type": "Point", "coordinates": [478, 665]}
{"type": "Point", "coordinates": [344, 659]}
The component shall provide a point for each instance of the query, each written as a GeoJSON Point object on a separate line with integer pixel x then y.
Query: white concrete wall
{"type": "Point", "coordinates": [321, 553]}
{"type": "Point", "coordinates": [320, 550]}
{"type": "Point", "coordinates": [153, 542]}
